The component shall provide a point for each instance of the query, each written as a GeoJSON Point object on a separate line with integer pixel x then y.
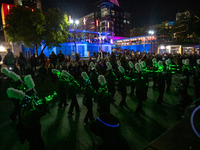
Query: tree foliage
{"type": "Point", "coordinates": [57, 26]}
{"type": "Point", "coordinates": [186, 26]}
{"type": "Point", "coordinates": [25, 25]}
{"type": "Point", "coordinates": [31, 27]}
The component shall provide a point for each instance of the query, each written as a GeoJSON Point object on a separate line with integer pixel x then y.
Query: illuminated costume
{"type": "Point", "coordinates": [161, 82]}
{"type": "Point", "coordinates": [94, 77]}
{"type": "Point", "coordinates": [33, 108]}
{"type": "Point", "coordinates": [110, 78]}
{"type": "Point", "coordinates": [16, 83]}
{"type": "Point", "coordinates": [168, 74]}
{"type": "Point", "coordinates": [122, 86]}
{"type": "Point", "coordinates": [73, 88]}
{"type": "Point", "coordinates": [140, 88]}
{"type": "Point", "coordinates": [62, 88]}
{"type": "Point", "coordinates": [104, 97]}
{"type": "Point", "coordinates": [107, 134]}
{"type": "Point", "coordinates": [132, 75]}
{"type": "Point", "coordinates": [89, 93]}
{"type": "Point", "coordinates": [155, 68]}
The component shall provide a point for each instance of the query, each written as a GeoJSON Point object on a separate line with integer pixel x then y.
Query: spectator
{"type": "Point", "coordinates": [60, 58]}
{"type": "Point", "coordinates": [33, 62]}
{"type": "Point", "coordinates": [9, 59]}
{"type": "Point", "coordinates": [47, 62]}
{"type": "Point", "coordinates": [22, 63]}
{"type": "Point", "coordinates": [42, 58]}
{"type": "Point", "coordinates": [52, 58]}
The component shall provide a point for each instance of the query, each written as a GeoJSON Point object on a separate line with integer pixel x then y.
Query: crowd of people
{"type": "Point", "coordinates": [99, 80]}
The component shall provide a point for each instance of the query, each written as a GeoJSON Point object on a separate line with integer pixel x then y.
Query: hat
{"type": "Point", "coordinates": [92, 65]}
{"type": "Point", "coordinates": [119, 63]}
{"type": "Point", "coordinates": [167, 62]}
{"type": "Point", "coordinates": [66, 74]}
{"type": "Point", "coordinates": [137, 67]}
{"type": "Point", "coordinates": [131, 64]}
{"type": "Point", "coordinates": [187, 62]}
{"type": "Point", "coordinates": [121, 69]}
{"type": "Point", "coordinates": [109, 66]}
{"type": "Point", "coordinates": [183, 61]}
{"type": "Point", "coordinates": [101, 79]}
{"type": "Point", "coordinates": [143, 65]}
{"type": "Point", "coordinates": [85, 77]}
{"type": "Point", "coordinates": [154, 61]}
{"type": "Point", "coordinates": [198, 61]}
{"type": "Point", "coordinates": [29, 82]}
{"type": "Point", "coordinates": [14, 93]}
{"type": "Point", "coordinates": [160, 65]}
{"type": "Point", "coordinates": [105, 124]}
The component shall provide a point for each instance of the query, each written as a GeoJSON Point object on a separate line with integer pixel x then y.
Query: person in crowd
{"type": "Point", "coordinates": [89, 93]}
{"type": "Point", "coordinates": [53, 59]}
{"type": "Point", "coordinates": [33, 62]}
{"type": "Point", "coordinates": [47, 62]}
{"type": "Point", "coordinates": [60, 58]}
{"type": "Point", "coordinates": [9, 60]}
{"type": "Point", "coordinates": [132, 75]}
{"type": "Point", "coordinates": [196, 83]}
{"type": "Point", "coordinates": [22, 63]}
{"type": "Point", "coordinates": [168, 74]}
{"type": "Point", "coordinates": [42, 58]}
{"type": "Point", "coordinates": [111, 79]}
{"type": "Point", "coordinates": [107, 136]}
{"type": "Point", "coordinates": [140, 88]}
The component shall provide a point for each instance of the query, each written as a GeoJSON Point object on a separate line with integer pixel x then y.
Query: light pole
{"type": "Point", "coordinates": [151, 33]}
{"type": "Point", "coordinates": [74, 24]}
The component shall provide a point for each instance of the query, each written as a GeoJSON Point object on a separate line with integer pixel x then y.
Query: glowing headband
{"type": "Point", "coordinates": [116, 125]}
{"type": "Point", "coordinates": [192, 122]}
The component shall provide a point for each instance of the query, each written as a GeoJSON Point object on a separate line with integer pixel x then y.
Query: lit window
{"type": "Point", "coordinates": [128, 22]}
{"type": "Point", "coordinates": [124, 21]}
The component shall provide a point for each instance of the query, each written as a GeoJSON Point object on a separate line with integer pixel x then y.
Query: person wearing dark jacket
{"type": "Point", "coordinates": [22, 63]}
{"type": "Point", "coordinates": [33, 61]}
{"type": "Point", "coordinates": [61, 59]}
{"type": "Point", "coordinates": [42, 58]}
{"type": "Point", "coordinates": [53, 59]}
{"type": "Point", "coordinates": [110, 78]}
{"type": "Point", "coordinates": [89, 93]}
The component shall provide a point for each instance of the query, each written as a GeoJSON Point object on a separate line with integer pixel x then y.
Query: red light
{"type": "Point", "coordinates": [97, 23]}
{"type": "Point", "coordinates": [32, 10]}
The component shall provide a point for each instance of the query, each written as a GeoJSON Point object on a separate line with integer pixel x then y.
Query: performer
{"type": "Point", "coordinates": [94, 77]}
{"type": "Point", "coordinates": [140, 88]}
{"type": "Point", "coordinates": [161, 82]}
{"type": "Point", "coordinates": [33, 108]}
{"type": "Point", "coordinates": [89, 93]}
{"type": "Point", "coordinates": [122, 86]}
{"type": "Point", "coordinates": [62, 88]}
{"type": "Point", "coordinates": [186, 70]}
{"type": "Point", "coordinates": [110, 78]}
{"type": "Point", "coordinates": [104, 97]}
{"type": "Point", "coordinates": [145, 75]}
{"type": "Point", "coordinates": [168, 74]}
{"type": "Point", "coordinates": [155, 68]}
{"type": "Point", "coordinates": [16, 83]}
{"type": "Point", "coordinates": [73, 88]}
{"type": "Point", "coordinates": [132, 75]}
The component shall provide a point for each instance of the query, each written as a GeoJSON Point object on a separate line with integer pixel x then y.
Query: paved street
{"type": "Point", "coordinates": [61, 132]}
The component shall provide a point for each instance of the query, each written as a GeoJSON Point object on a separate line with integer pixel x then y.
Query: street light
{"type": "Point", "coordinates": [74, 24]}
{"type": "Point", "coordinates": [151, 32]}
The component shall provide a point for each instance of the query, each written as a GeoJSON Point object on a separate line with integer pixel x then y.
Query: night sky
{"type": "Point", "coordinates": [143, 12]}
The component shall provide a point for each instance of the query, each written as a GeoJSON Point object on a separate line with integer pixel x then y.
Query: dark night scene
{"type": "Point", "coordinates": [100, 75]}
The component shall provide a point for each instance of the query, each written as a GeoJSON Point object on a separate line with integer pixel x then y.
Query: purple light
{"type": "Point", "coordinates": [114, 2]}
{"type": "Point", "coordinates": [192, 122]}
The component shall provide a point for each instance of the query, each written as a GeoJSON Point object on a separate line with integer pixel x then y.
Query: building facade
{"type": "Point", "coordinates": [107, 17]}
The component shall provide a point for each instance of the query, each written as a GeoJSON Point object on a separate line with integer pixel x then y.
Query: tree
{"type": "Point", "coordinates": [57, 26]}
{"type": "Point", "coordinates": [25, 25]}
